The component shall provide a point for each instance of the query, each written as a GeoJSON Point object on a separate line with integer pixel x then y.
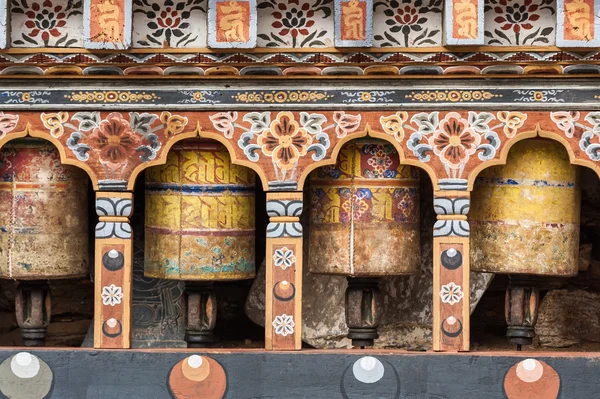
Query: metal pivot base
{"type": "Point", "coordinates": [32, 308]}
{"type": "Point", "coordinates": [363, 304]}
{"type": "Point", "coordinates": [521, 309]}
{"type": "Point", "coordinates": [201, 314]}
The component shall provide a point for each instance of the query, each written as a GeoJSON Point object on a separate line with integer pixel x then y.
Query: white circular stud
{"type": "Point", "coordinates": [195, 361]}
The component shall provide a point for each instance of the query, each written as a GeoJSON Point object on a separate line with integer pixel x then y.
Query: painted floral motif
{"type": "Point", "coordinates": [224, 122]}
{"type": "Point", "coordinates": [54, 122]}
{"type": "Point", "coordinates": [285, 140]}
{"type": "Point", "coordinates": [355, 205]}
{"type": "Point", "coordinates": [8, 122]}
{"type": "Point", "coordinates": [284, 258]}
{"type": "Point", "coordinates": [295, 23]}
{"type": "Point", "coordinates": [454, 141]}
{"type": "Point", "coordinates": [47, 23]}
{"type": "Point", "coordinates": [568, 123]}
{"type": "Point", "coordinates": [112, 295]}
{"type": "Point", "coordinates": [451, 293]}
{"type": "Point", "coordinates": [512, 121]}
{"type": "Point", "coordinates": [116, 140]}
{"type": "Point", "coordinates": [520, 22]}
{"type": "Point", "coordinates": [393, 125]}
{"type": "Point", "coordinates": [407, 23]}
{"type": "Point", "coordinates": [345, 123]}
{"type": "Point", "coordinates": [380, 161]}
{"type": "Point", "coordinates": [565, 120]}
{"type": "Point", "coordinates": [174, 124]}
{"type": "Point", "coordinates": [284, 325]}
{"type": "Point", "coordinates": [167, 23]}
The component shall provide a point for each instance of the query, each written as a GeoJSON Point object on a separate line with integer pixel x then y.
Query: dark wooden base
{"type": "Point", "coordinates": [201, 314]}
{"type": "Point", "coordinates": [521, 309]}
{"type": "Point", "coordinates": [33, 310]}
{"type": "Point", "coordinates": [363, 307]}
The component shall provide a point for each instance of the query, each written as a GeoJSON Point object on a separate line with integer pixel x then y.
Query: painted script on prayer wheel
{"type": "Point", "coordinates": [43, 214]}
{"type": "Point", "coordinates": [200, 216]}
{"type": "Point", "coordinates": [364, 213]}
{"type": "Point", "coordinates": [524, 215]}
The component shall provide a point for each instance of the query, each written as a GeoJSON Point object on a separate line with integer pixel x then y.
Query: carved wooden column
{"type": "Point", "coordinates": [521, 309]}
{"type": "Point", "coordinates": [283, 301]}
{"type": "Point", "coordinates": [201, 313]}
{"type": "Point", "coordinates": [113, 270]}
{"type": "Point", "coordinates": [451, 271]}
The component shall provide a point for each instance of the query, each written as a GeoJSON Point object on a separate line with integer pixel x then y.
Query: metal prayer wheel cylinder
{"type": "Point", "coordinates": [524, 220]}
{"type": "Point", "coordinates": [364, 224]}
{"type": "Point", "coordinates": [44, 219]}
{"type": "Point", "coordinates": [200, 227]}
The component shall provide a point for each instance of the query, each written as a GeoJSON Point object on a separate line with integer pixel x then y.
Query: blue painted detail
{"type": "Point", "coordinates": [531, 183]}
{"type": "Point", "coordinates": [189, 188]}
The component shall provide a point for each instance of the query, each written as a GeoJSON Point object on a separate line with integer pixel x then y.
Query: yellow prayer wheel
{"type": "Point", "coordinates": [524, 220]}
{"type": "Point", "coordinates": [43, 228]}
{"type": "Point", "coordinates": [43, 214]}
{"type": "Point", "coordinates": [524, 215]}
{"type": "Point", "coordinates": [364, 224]}
{"type": "Point", "coordinates": [200, 227]}
{"type": "Point", "coordinates": [364, 217]}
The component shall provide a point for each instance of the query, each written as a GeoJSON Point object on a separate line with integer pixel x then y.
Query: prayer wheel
{"type": "Point", "coordinates": [364, 224]}
{"type": "Point", "coordinates": [524, 222]}
{"type": "Point", "coordinates": [200, 227]}
{"type": "Point", "coordinates": [44, 233]}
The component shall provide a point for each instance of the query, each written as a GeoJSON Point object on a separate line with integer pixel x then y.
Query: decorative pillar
{"type": "Point", "coordinates": [283, 301]}
{"type": "Point", "coordinates": [353, 23]}
{"type": "Point", "coordinates": [577, 23]}
{"type": "Point", "coordinates": [232, 23]}
{"type": "Point", "coordinates": [4, 23]}
{"type": "Point", "coordinates": [463, 23]}
{"type": "Point", "coordinates": [113, 270]}
{"type": "Point", "coordinates": [451, 271]}
{"type": "Point", "coordinates": [107, 24]}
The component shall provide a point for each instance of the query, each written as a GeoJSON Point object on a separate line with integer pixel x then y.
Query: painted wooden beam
{"type": "Point", "coordinates": [328, 374]}
{"type": "Point", "coordinates": [463, 23]}
{"type": "Point", "coordinates": [107, 24]}
{"type": "Point", "coordinates": [578, 23]}
{"type": "Point", "coordinates": [113, 270]}
{"type": "Point", "coordinates": [232, 23]}
{"type": "Point", "coordinates": [353, 23]}
{"type": "Point", "coordinates": [283, 301]}
{"type": "Point", "coordinates": [451, 272]}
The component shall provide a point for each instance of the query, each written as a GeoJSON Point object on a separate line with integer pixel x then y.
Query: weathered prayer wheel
{"type": "Point", "coordinates": [524, 221]}
{"type": "Point", "coordinates": [364, 224]}
{"type": "Point", "coordinates": [200, 227]}
{"type": "Point", "coordinates": [44, 235]}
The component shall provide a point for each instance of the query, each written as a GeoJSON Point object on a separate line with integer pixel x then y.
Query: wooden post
{"type": "Point", "coordinates": [283, 299]}
{"type": "Point", "coordinates": [107, 24]}
{"type": "Point", "coordinates": [113, 270]}
{"type": "Point", "coordinates": [232, 23]}
{"type": "Point", "coordinates": [451, 271]}
{"type": "Point", "coordinates": [4, 23]}
{"type": "Point", "coordinates": [463, 23]}
{"type": "Point", "coordinates": [577, 24]}
{"type": "Point", "coordinates": [353, 23]}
